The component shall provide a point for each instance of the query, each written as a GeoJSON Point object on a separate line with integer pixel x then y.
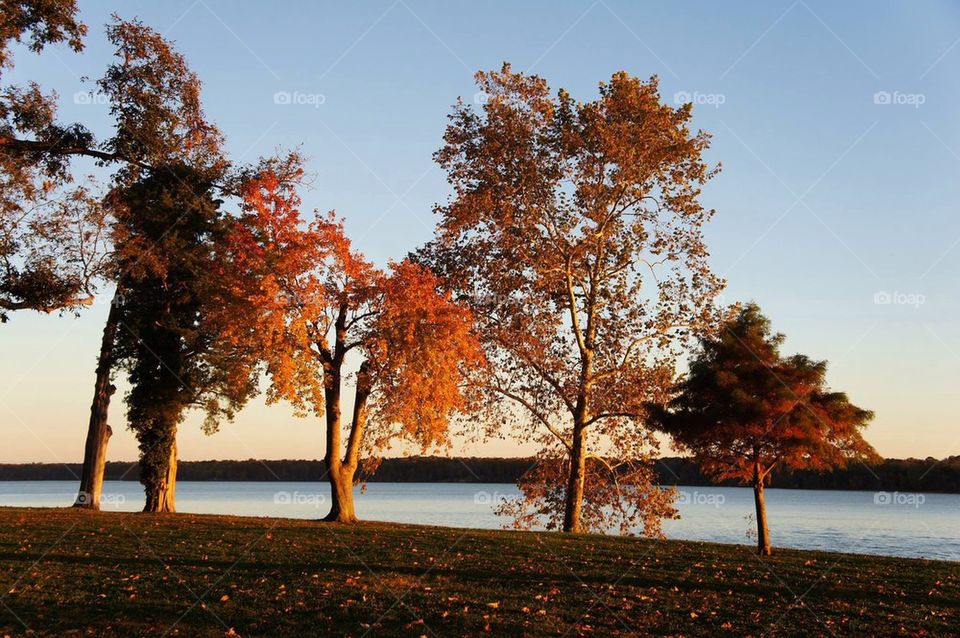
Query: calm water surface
{"type": "Point", "coordinates": [912, 525]}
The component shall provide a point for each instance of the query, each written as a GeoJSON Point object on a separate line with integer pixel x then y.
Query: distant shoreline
{"type": "Point", "coordinates": [905, 475]}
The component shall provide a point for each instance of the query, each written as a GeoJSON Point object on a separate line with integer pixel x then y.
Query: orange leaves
{"type": "Point", "coordinates": [575, 232]}
{"type": "Point", "coordinates": [274, 293]}
{"type": "Point", "coordinates": [422, 345]}
{"type": "Point", "coordinates": [302, 299]}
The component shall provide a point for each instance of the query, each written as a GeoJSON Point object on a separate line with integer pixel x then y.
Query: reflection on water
{"type": "Point", "coordinates": [913, 525]}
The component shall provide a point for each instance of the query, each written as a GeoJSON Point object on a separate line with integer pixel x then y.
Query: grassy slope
{"type": "Point", "coordinates": [67, 571]}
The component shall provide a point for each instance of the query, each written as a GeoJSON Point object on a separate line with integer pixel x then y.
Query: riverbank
{"type": "Point", "coordinates": [69, 572]}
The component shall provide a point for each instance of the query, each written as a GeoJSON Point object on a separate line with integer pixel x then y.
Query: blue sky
{"type": "Point", "coordinates": [836, 125]}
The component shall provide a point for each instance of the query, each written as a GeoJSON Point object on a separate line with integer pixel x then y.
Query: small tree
{"type": "Point", "coordinates": [743, 409]}
{"type": "Point", "coordinates": [575, 235]}
{"type": "Point", "coordinates": [318, 315]}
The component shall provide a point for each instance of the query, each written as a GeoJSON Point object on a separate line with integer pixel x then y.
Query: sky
{"type": "Point", "coordinates": [835, 124]}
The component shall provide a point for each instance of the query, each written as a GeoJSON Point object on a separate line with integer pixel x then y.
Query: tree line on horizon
{"type": "Point", "coordinates": [910, 475]}
{"type": "Point", "coordinates": [567, 277]}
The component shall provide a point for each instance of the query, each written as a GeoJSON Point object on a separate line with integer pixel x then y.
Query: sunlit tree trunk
{"type": "Point", "coordinates": [572, 515]}
{"type": "Point", "coordinates": [98, 431]}
{"type": "Point", "coordinates": [342, 472]}
{"type": "Point", "coordinates": [339, 474]}
{"type": "Point", "coordinates": [341, 494]}
{"type": "Point", "coordinates": [161, 493]}
{"type": "Point", "coordinates": [576, 481]}
{"type": "Point", "coordinates": [763, 532]}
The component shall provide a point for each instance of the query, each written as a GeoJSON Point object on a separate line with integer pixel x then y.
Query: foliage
{"type": "Point", "coordinates": [575, 236]}
{"type": "Point", "coordinates": [304, 301]}
{"type": "Point", "coordinates": [313, 300]}
{"type": "Point", "coordinates": [54, 251]}
{"type": "Point", "coordinates": [166, 226]}
{"type": "Point", "coordinates": [744, 405]}
{"type": "Point", "coordinates": [155, 101]}
{"type": "Point", "coordinates": [51, 233]}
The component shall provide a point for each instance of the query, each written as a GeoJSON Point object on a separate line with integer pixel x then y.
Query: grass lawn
{"type": "Point", "coordinates": [75, 573]}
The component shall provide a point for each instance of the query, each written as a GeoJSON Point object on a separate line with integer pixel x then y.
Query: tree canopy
{"type": "Point", "coordinates": [575, 234]}
{"type": "Point", "coordinates": [743, 409]}
{"type": "Point", "coordinates": [316, 313]}
{"type": "Point", "coordinates": [52, 238]}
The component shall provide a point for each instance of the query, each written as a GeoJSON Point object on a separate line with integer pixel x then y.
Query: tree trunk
{"type": "Point", "coordinates": [342, 472]}
{"type": "Point", "coordinates": [763, 532]}
{"type": "Point", "coordinates": [339, 477]}
{"type": "Point", "coordinates": [98, 431]}
{"type": "Point", "coordinates": [161, 495]}
{"type": "Point", "coordinates": [578, 462]}
{"type": "Point", "coordinates": [341, 495]}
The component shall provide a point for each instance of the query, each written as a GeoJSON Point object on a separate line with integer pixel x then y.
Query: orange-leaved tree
{"type": "Point", "coordinates": [575, 234]}
{"type": "Point", "coordinates": [324, 322]}
{"type": "Point", "coordinates": [743, 409]}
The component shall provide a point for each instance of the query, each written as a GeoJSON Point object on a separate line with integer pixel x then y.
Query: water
{"type": "Point", "coordinates": [911, 525]}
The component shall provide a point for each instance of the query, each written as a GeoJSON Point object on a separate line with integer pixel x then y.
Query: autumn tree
{"type": "Point", "coordinates": [52, 248]}
{"type": "Point", "coordinates": [332, 331]}
{"type": "Point", "coordinates": [53, 244]}
{"type": "Point", "coordinates": [51, 231]}
{"type": "Point", "coordinates": [168, 224]}
{"type": "Point", "coordinates": [574, 234]}
{"type": "Point", "coordinates": [160, 133]}
{"type": "Point", "coordinates": [743, 409]}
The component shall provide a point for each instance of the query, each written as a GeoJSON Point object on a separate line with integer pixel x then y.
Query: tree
{"type": "Point", "coordinates": [574, 234]}
{"type": "Point", "coordinates": [160, 132]}
{"type": "Point", "coordinates": [53, 244]}
{"type": "Point", "coordinates": [743, 409]}
{"type": "Point", "coordinates": [318, 315]}
{"type": "Point", "coordinates": [168, 224]}
{"type": "Point", "coordinates": [51, 248]}
{"type": "Point", "coordinates": [52, 252]}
